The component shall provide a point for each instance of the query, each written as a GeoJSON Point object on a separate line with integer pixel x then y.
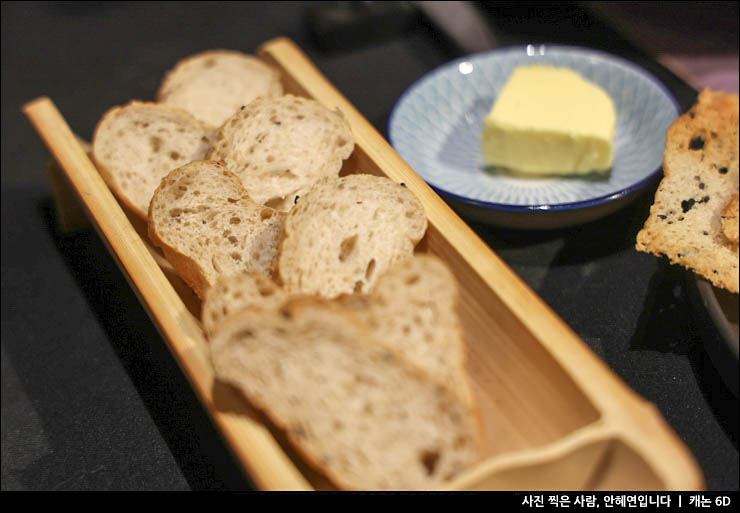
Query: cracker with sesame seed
{"type": "Point", "coordinates": [700, 167]}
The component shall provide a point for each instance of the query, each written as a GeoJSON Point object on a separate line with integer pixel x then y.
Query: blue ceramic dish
{"type": "Point", "coordinates": [436, 127]}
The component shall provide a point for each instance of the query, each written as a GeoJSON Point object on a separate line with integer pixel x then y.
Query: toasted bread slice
{"type": "Point", "coordinates": [347, 231]}
{"type": "Point", "coordinates": [213, 85]}
{"type": "Point", "coordinates": [279, 147]}
{"type": "Point", "coordinates": [137, 145]}
{"type": "Point", "coordinates": [700, 165]}
{"type": "Point", "coordinates": [207, 226]}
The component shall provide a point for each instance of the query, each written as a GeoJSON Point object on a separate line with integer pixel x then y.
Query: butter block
{"type": "Point", "coordinates": [550, 120]}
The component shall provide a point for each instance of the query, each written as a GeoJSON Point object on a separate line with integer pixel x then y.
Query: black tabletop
{"type": "Point", "coordinates": [91, 397]}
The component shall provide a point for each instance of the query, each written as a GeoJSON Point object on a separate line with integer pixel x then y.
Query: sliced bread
{"type": "Point", "coordinates": [137, 145]}
{"type": "Point", "coordinates": [352, 407]}
{"type": "Point", "coordinates": [279, 147]}
{"type": "Point", "coordinates": [345, 232]}
{"type": "Point", "coordinates": [207, 226]}
{"type": "Point", "coordinates": [700, 167]}
{"type": "Point", "coordinates": [212, 85]}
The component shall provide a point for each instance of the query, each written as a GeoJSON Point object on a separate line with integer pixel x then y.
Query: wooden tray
{"type": "Point", "coordinates": [555, 415]}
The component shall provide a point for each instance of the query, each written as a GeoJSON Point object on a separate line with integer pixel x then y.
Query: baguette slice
{"type": "Point", "coordinates": [207, 226]}
{"type": "Point", "coordinates": [137, 145]}
{"type": "Point", "coordinates": [700, 167]}
{"type": "Point", "coordinates": [279, 147]}
{"type": "Point", "coordinates": [353, 408]}
{"type": "Point", "coordinates": [347, 231]}
{"type": "Point", "coordinates": [212, 85]}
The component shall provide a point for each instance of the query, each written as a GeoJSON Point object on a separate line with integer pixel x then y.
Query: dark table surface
{"type": "Point", "coordinates": [91, 397]}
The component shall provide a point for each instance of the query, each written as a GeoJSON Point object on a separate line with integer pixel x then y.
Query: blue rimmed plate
{"type": "Point", "coordinates": [437, 123]}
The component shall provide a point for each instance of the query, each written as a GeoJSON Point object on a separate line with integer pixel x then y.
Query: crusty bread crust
{"type": "Point", "coordinates": [700, 167]}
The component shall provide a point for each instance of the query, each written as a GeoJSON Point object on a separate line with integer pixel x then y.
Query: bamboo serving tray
{"type": "Point", "coordinates": [556, 417]}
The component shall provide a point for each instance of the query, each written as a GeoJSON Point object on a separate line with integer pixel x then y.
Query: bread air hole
{"type": "Point", "coordinates": [370, 268]}
{"type": "Point", "coordinates": [235, 220]}
{"type": "Point", "coordinates": [429, 459]}
{"type": "Point", "coordinates": [274, 202]}
{"type": "Point", "coordinates": [174, 155]}
{"type": "Point", "coordinates": [266, 291]}
{"type": "Point", "coordinates": [460, 442]}
{"type": "Point", "coordinates": [346, 247]}
{"type": "Point", "coordinates": [236, 256]}
{"type": "Point", "coordinates": [155, 142]}
{"type": "Point", "coordinates": [243, 334]}
{"type": "Point", "coordinates": [266, 213]}
{"type": "Point", "coordinates": [412, 279]}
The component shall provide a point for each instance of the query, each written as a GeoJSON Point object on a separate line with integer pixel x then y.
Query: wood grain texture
{"type": "Point", "coordinates": [556, 417]}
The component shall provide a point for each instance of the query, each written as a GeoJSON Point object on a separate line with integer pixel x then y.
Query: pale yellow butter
{"type": "Point", "coordinates": [550, 120]}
